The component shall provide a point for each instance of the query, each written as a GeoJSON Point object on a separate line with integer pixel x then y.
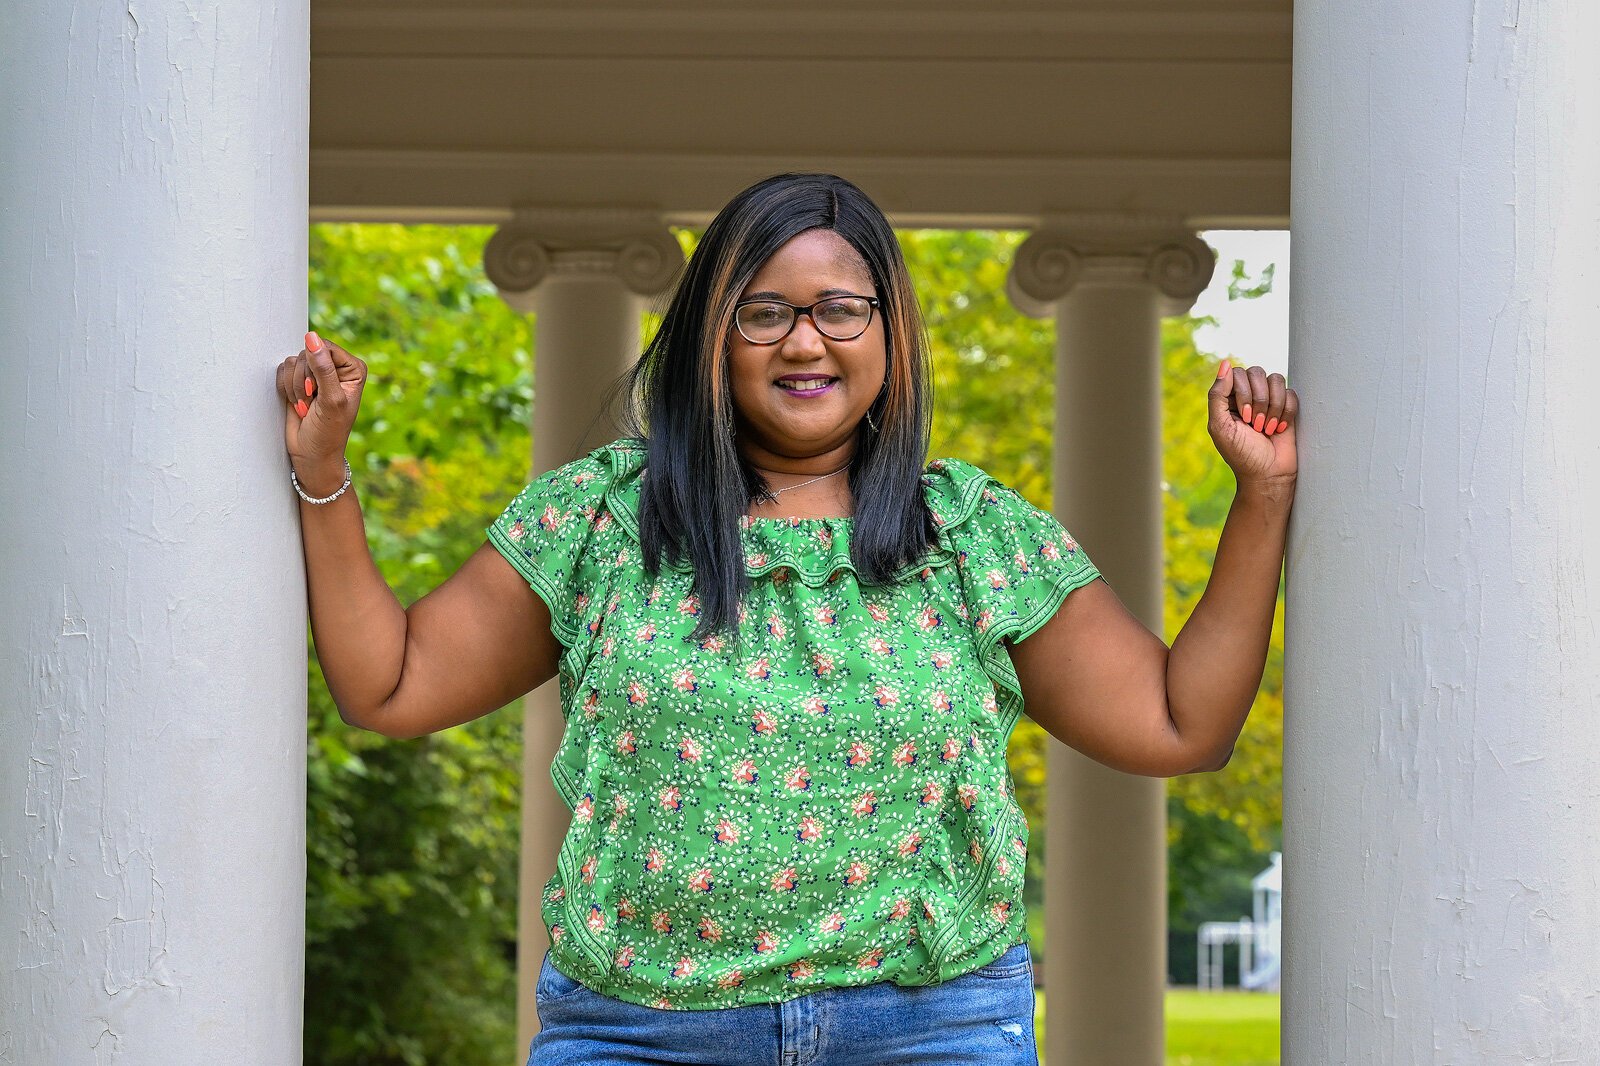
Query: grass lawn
{"type": "Point", "coordinates": [1212, 1028]}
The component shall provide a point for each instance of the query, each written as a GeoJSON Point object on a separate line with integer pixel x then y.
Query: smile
{"type": "Point", "coordinates": [808, 388]}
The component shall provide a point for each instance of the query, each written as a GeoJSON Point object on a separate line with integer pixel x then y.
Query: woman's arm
{"type": "Point", "coordinates": [472, 645]}
{"type": "Point", "coordinates": [357, 623]}
{"type": "Point", "coordinates": [1097, 679]}
{"type": "Point", "coordinates": [469, 647]}
{"type": "Point", "coordinates": [1214, 667]}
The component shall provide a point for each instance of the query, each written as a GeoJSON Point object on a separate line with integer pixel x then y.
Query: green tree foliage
{"type": "Point", "coordinates": [411, 898]}
{"type": "Point", "coordinates": [993, 366]}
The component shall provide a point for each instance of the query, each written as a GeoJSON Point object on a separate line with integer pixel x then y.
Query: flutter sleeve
{"type": "Point", "coordinates": [547, 532]}
{"type": "Point", "coordinates": [1018, 563]}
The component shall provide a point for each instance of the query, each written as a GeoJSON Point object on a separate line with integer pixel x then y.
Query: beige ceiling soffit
{"type": "Point", "coordinates": [975, 31]}
{"type": "Point", "coordinates": [479, 187]}
{"type": "Point", "coordinates": [532, 163]}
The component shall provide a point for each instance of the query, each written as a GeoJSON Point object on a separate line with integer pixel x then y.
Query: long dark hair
{"type": "Point", "coordinates": [680, 399]}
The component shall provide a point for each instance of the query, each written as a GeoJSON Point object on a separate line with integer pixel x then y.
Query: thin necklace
{"type": "Point", "coordinates": [771, 496]}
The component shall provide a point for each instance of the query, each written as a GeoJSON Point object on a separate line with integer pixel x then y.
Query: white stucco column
{"type": "Point", "coordinates": [1108, 282]}
{"type": "Point", "coordinates": [1442, 660]}
{"type": "Point", "coordinates": [585, 277]}
{"type": "Point", "coordinates": [153, 617]}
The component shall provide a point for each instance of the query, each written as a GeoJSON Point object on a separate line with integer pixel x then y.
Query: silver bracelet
{"type": "Point", "coordinates": [295, 481]}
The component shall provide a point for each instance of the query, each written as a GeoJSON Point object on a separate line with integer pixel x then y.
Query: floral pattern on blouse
{"type": "Point", "coordinates": [832, 808]}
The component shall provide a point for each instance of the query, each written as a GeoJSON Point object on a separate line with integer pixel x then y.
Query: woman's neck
{"type": "Point", "coordinates": [814, 486]}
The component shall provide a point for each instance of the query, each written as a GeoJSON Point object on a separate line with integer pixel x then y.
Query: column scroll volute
{"type": "Point", "coordinates": [633, 247]}
{"type": "Point", "coordinates": [1180, 268]}
{"type": "Point", "coordinates": [648, 263]}
{"type": "Point", "coordinates": [1047, 266]}
{"type": "Point", "coordinates": [516, 261]}
{"type": "Point", "coordinates": [1053, 262]}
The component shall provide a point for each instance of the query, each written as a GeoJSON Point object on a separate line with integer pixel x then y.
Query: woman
{"type": "Point", "coordinates": [790, 654]}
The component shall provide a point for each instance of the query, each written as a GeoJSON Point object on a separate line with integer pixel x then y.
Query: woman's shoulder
{"type": "Point", "coordinates": [976, 510]}
{"type": "Point", "coordinates": [604, 463]}
{"type": "Point", "coordinates": [957, 489]}
{"type": "Point", "coordinates": [590, 477]}
{"type": "Point", "coordinates": [573, 497]}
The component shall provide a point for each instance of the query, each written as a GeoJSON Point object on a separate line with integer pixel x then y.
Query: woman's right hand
{"type": "Point", "coordinates": [321, 389]}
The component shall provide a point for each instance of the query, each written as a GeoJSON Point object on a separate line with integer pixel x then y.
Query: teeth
{"type": "Point", "coordinates": [805, 386]}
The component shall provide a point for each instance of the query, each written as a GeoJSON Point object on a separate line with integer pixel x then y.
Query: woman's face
{"type": "Point", "coordinates": [775, 424]}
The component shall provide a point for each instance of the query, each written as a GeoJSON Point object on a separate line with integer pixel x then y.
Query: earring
{"type": "Point", "coordinates": [881, 394]}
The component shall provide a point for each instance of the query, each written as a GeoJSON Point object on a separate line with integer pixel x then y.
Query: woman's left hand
{"type": "Point", "coordinates": [1252, 422]}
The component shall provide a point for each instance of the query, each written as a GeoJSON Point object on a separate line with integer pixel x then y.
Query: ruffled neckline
{"type": "Point", "coordinates": [813, 550]}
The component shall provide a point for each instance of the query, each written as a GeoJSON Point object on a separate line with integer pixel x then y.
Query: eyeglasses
{"type": "Point", "coordinates": [840, 318]}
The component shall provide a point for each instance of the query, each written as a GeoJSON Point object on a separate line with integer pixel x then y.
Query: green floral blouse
{"type": "Point", "coordinates": [832, 808]}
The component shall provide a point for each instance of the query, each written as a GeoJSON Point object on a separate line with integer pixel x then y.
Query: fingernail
{"type": "Point", "coordinates": [1261, 420]}
{"type": "Point", "coordinates": [309, 386]}
{"type": "Point", "coordinates": [1272, 426]}
{"type": "Point", "coordinates": [1244, 412]}
{"type": "Point", "coordinates": [313, 343]}
{"type": "Point", "coordinates": [1282, 426]}
{"type": "Point", "coordinates": [300, 405]}
{"type": "Point", "coordinates": [1222, 369]}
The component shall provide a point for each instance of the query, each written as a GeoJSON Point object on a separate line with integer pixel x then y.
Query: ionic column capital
{"type": "Point", "coordinates": [1064, 255]}
{"type": "Point", "coordinates": [633, 247]}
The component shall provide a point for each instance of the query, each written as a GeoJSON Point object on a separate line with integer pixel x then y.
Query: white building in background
{"type": "Point", "coordinates": [1443, 629]}
{"type": "Point", "coordinates": [1259, 938]}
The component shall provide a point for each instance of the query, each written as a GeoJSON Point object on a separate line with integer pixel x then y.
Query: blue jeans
{"type": "Point", "coordinates": [985, 1016]}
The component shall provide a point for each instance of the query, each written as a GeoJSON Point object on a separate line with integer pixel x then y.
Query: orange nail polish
{"type": "Point", "coordinates": [1223, 369]}
{"type": "Point", "coordinates": [1244, 412]}
{"type": "Point", "coordinates": [1272, 426]}
{"type": "Point", "coordinates": [300, 406]}
{"type": "Point", "coordinates": [1261, 420]}
{"type": "Point", "coordinates": [309, 386]}
{"type": "Point", "coordinates": [313, 343]}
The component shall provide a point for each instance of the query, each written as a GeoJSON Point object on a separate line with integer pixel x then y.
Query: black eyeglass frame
{"type": "Point", "coordinates": [873, 303]}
